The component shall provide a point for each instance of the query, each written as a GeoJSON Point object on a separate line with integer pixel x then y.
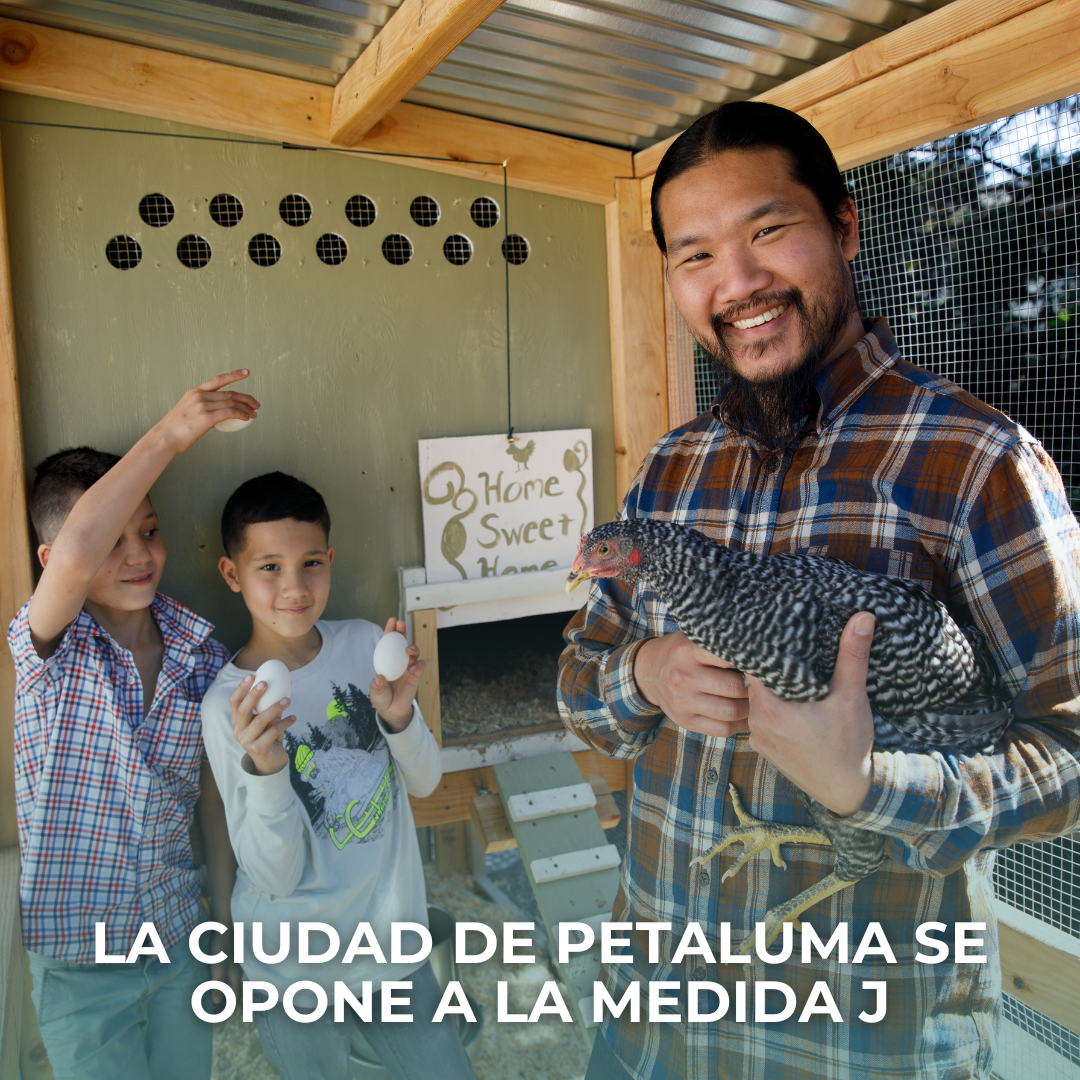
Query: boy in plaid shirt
{"type": "Point", "coordinates": [108, 749]}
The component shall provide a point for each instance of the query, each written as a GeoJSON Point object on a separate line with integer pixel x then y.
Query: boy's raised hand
{"type": "Point", "coordinates": [259, 733]}
{"type": "Point", "coordinates": [99, 518]}
{"type": "Point", "coordinates": [202, 407]}
{"type": "Point", "coordinates": [393, 701]}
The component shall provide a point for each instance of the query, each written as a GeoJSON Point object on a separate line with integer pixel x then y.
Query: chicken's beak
{"type": "Point", "coordinates": [577, 575]}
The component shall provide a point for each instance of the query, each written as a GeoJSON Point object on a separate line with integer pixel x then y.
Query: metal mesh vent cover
{"type": "Point", "coordinates": [484, 212]}
{"type": "Point", "coordinates": [360, 211]}
{"type": "Point", "coordinates": [264, 250]}
{"type": "Point", "coordinates": [123, 252]}
{"type": "Point", "coordinates": [331, 249]}
{"type": "Point", "coordinates": [295, 210]}
{"type": "Point", "coordinates": [193, 251]}
{"type": "Point", "coordinates": [226, 210]}
{"type": "Point", "coordinates": [397, 249]}
{"type": "Point", "coordinates": [515, 249]}
{"type": "Point", "coordinates": [425, 211]}
{"type": "Point", "coordinates": [458, 249]}
{"type": "Point", "coordinates": [156, 210]}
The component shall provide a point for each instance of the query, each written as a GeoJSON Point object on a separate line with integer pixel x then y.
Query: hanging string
{"type": "Point", "coordinates": [506, 265]}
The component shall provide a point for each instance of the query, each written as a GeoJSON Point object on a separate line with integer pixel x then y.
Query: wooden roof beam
{"type": "Point", "coordinates": [1015, 64]}
{"type": "Point", "coordinates": [927, 35]}
{"type": "Point", "coordinates": [419, 35]}
{"type": "Point", "coordinates": [47, 62]}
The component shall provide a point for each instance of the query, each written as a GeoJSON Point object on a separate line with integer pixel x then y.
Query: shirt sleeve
{"type": "Point", "coordinates": [416, 754]}
{"type": "Point", "coordinates": [1017, 571]}
{"type": "Point", "coordinates": [597, 696]}
{"type": "Point", "coordinates": [263, 813]}
{"type": "Point", "coordinates": [33, 675]}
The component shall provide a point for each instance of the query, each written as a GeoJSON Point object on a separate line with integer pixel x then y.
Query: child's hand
{"type": "Point", "coordinates": [393, 701]}
{"type": "Point", "coordinates": [259, 735]}
{"type": "Point", "coordinates": [202, 407]}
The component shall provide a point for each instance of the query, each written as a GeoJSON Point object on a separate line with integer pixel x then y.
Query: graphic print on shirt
{"type": "Point", "coordinates": [342, 771]}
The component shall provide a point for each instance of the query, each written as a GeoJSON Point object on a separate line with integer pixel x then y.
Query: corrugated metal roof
{"type": "Point", "coordinates": [624, 72]}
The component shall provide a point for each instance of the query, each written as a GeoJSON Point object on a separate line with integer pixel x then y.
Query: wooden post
{"type": "Point", "coordinates": [426, 639]}
{"type": "Point", "coordinates": [450, 853]}
{"type": "Point", "coordinates": [15, 577]}
{"type": "Point", "coordinates": [638, 353]}
{"type": "Point", "coordinates": [15, 586]}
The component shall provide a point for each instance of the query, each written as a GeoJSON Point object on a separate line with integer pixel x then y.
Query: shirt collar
{"type": "Point", "coordinates": [181, 629]}
{"type": "Point", "coordinates": [847, 378]}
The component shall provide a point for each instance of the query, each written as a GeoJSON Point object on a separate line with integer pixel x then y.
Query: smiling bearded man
{"type": "Point", "coordinates": [824, 440]}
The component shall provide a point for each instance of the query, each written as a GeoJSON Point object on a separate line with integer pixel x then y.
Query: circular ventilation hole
{"type": "Point", "coordinates": [123, 252]}
{"type": "Point", "coordinates": [226, 210]}
{"type": "Point", "coordinates": [295, 210]}
{"type": "Point", "coordinates": [397, 249]}
{"type": "Point", "coordinates": [425, 211]}
{"type": "Point", "coordinates": [485, 212]}
{"type": "Point", "coordinates": [156, 210]}
{"type": "Point", "coordinates": [515, 249]}
{"type": "Point", "coordinates": [458, 249]}
{"type": "Point", "coordinates": [264, 249]}
{"type": "Point", "coordinates": [360, 211]}
{"type": "Point", "coordinates": [331, 248]}
{"type": "Point", "coordinates": [193, 251]}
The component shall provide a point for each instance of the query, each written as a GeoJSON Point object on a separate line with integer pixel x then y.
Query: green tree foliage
{"type": "Point", "coordinates": [970, 250]}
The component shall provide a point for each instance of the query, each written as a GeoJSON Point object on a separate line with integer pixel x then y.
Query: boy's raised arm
{"type": "Point", "coordinates": [97, 520]}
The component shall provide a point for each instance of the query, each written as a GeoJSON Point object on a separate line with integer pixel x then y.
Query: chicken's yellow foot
{"type": "Point", "coordinates": [758, 836]}
{"type": "Point", "coordinates": [791, 909]}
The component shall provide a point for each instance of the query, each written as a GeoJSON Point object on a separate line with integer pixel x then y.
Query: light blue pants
{"type": "Point", "coordinates": [122, 1021]}
{"type": "Point", "coordinates": [417, 1051]}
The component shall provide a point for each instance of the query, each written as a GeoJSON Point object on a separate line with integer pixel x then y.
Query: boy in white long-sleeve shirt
{"type": "Point", "coordinates": [316, 801]}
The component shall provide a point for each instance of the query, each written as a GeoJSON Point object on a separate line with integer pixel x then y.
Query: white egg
{"type": "Point", "coordinates": [232, 425]}
{"type": "Point", "coordinates": [391, 659]}
{"type": "Point", "coordinates": [278, 683]}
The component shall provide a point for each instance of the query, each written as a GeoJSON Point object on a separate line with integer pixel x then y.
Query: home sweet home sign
{"type": "Point", "coordinates": [494, 507]}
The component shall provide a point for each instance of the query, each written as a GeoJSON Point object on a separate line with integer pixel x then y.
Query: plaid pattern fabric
{"type": "Point", "coordinates": [899, 472]}
{"type": "Point", "coordinates": [104, 797]}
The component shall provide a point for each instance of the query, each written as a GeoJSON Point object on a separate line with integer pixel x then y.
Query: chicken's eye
{"type": "Point", "coordinates": [603, 550]}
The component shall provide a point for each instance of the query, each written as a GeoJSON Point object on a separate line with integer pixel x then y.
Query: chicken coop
{"type": "Point", "coordinates": [425, 220]}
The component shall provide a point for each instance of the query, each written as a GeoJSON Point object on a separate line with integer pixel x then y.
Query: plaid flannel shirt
{"type": "Point", "coordinates": [900, 472]}
{"type": "Point", "coordinates": [104, 797]}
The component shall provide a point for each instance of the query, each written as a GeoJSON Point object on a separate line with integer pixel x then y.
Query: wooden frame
{"type": "Point", "coordinates": [15, 586]}
{"type": "Point", "coordinates": [417, 36]}
{"type": "Point", "coordinates": [149, 82]}
{"type": "Point", "coordinates": [15, 576]}
{"type": "Point", "coordinates": [970, 62]}
{"type": "Point", "coordinates": [638, 353]}
{"type": "Point", "coordinates": [941, 74]}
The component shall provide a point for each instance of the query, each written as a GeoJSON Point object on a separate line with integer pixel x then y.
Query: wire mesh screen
{"type": "Point", "coordinates": [970, 250]}
{"type": "Point", "coordinates": [1043, 880]}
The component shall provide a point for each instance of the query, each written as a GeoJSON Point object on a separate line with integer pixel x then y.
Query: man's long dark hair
{"type": "Point", "coordinates": [770, 411]}
{"type": "Point", "coordinates": [755, 125]}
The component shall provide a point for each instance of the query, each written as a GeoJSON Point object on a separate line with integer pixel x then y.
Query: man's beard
{"type": "Point", "coordinates": [771, 411]}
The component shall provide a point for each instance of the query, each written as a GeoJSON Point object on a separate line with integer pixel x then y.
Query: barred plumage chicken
{"type": "Point", "coordinates": [932, 684]}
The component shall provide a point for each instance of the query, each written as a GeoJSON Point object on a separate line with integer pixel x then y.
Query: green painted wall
{"type": "Point", "coordinates": [353, 363]}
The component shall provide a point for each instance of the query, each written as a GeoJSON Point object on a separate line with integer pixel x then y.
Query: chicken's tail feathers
{"type": "Point", "coordinates": [972, 725]}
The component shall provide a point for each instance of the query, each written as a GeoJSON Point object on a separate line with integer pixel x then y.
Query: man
{"type": "Point", "coordinates": [823, 440]}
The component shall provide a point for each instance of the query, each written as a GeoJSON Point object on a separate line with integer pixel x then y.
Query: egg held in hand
{"type": "Point", "coordinates": [278, 683]}
{"type": "Point", "coordinates": [391, 657]}
{"type": "Point", "coordinates": [229, 426]}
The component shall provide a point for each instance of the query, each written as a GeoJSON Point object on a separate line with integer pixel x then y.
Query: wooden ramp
{"type": "Point", "coordinates": [573, 870]}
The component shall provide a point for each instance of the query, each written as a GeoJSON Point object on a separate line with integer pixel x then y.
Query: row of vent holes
{"type": "Point", "coordinates": [193, 251]}
{"type": "Point", "coordinates": [158, 211]}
